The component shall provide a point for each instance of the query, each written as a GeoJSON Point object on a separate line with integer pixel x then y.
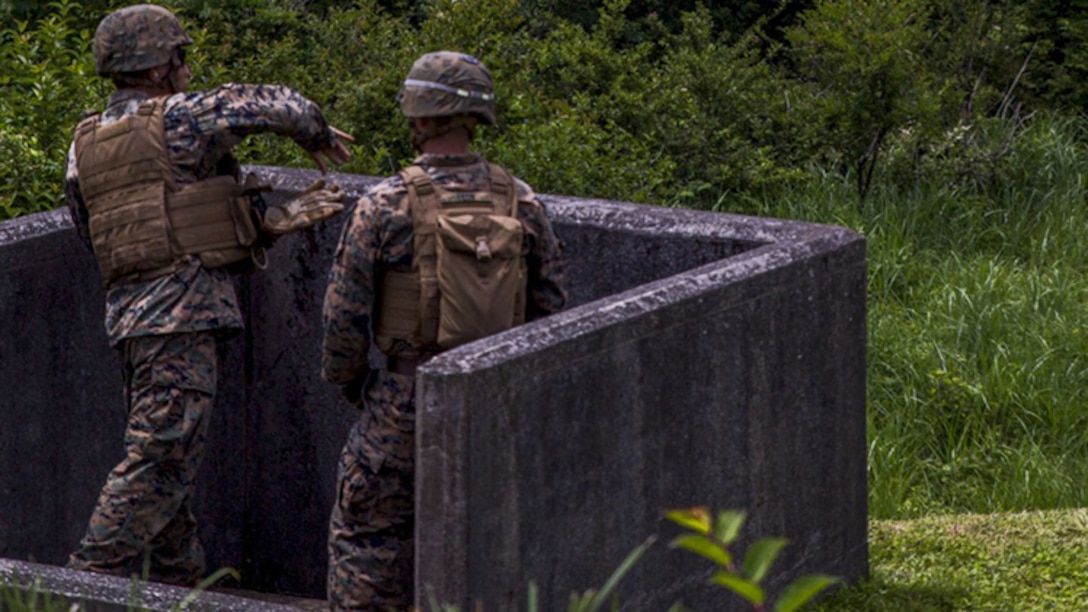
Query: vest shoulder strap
{"type": "Point", "coordinates": [86, 126]}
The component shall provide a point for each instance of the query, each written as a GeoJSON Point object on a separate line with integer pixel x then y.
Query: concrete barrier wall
{"type": "Point", "coordinates": [708, 359]}
{"type": "Point", "coordinates": [547, 453]}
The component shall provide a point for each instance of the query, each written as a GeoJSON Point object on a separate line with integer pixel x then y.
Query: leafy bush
{"type": "Point", "coordinates": [47, 83]}
{"type": "Point", "coordinates": [633, 103]}
{"type": "Point", "coordinates": [582, 112]}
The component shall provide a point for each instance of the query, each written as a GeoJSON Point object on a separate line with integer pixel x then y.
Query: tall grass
{"type": "Point", "coordinates": [978, 326]}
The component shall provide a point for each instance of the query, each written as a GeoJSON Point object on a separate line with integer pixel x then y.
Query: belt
{"type": "Point", "coordinates": [404, 366]}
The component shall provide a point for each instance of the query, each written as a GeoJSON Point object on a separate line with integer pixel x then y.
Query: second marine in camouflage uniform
{"type": "Point", "coordinates": [166, 328]}
{"type": "Point", "coordinates": [371, 528]}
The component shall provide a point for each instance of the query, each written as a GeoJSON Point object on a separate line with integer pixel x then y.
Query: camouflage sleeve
{"type": "Point", "coordinates": [220, 118]}
{"type": "Point", "coordinates": [547, 292]}
{"type": "Point", "coordinates": [349, 298]}
{"type": "Point", "coordinates": [74, 196]}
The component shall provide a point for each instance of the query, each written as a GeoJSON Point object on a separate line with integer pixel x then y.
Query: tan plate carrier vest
{"type": "Point", "coordinates": [468, 275]}
{"type": "Point", "coordinates": [141, 224]}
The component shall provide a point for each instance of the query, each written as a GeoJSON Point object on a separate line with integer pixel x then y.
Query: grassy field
{"type": "Point", "coordinates": [1016, 562]}
{"type": "Point", "coordinates": [978, 330]}
{"type": "Point", "coordinates": [978, 380]}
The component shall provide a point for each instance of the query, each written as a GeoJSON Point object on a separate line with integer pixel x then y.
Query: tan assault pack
{"type": "Point", "coordinates": [468, 277]}
{"type": "Point", "coordinates": [141, 224]}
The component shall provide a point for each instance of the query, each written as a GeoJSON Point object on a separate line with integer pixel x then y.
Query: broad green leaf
{"type": "Point", "coordinates": [760, 556]}
{"type": "Point", "coordinates": [728, 525]}
{"type": "Point", "coordinates": [801, 590]}
{"type": "Point", "coordinates": [741, 586]}
{"type": "Point", "coordinates": [696, 519]}
{"type": "Point", "coordinates": [704, 547]}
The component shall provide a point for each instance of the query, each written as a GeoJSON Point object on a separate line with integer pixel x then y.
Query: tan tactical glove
{"type": "Point", "coordinates": [312, 206]}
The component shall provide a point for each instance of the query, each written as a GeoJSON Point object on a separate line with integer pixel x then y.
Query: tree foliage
{"type": "Point", "coordinates": [668, 101]}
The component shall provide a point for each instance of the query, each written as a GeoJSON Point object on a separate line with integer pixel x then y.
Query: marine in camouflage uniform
{"type": "Point", "coordinates": [166, 329]}
{"type": "Point", "coordinates": [371, 527]}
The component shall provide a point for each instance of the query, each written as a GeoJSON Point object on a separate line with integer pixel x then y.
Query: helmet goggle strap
{"type": "Point", "coordinates": [457, 91]}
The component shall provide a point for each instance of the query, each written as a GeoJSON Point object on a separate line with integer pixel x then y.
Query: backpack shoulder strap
{"type": "Point", "coordinates": [425, 205]}
{"type": "Point", "coordinates": [423, 199]}
{"type": "Point", "coordinates": [503, 184]}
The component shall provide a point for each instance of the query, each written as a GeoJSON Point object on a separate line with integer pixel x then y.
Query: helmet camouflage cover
{"type": "Point", "coordinates": [447, 83]}
{"type": "Point", "coordinates": [137, 38]}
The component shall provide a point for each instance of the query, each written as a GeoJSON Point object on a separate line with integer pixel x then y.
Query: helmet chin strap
{"type": "Point", "coordinates": [177, 62]}
{"type": "Point", "coordinates": [172, 79]}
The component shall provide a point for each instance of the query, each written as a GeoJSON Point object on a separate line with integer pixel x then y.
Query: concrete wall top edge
{"type": "Point", "coordinates": [615, 215]}
{"type": "Point", "coordinates": [642, 299]}
{"type": "Point", "coordinates": [121, 593]}
{"type": "Point", "coordinates": [753, 231]}
{"type": "Point", "coordinates": [31, 226]}
{"type": "Point", "coordinates": [297, 179]}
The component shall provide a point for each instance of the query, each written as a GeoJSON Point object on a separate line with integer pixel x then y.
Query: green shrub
{"type": "Point", "coordinates": [47, 83]}
{"type": "Point", "coordinates": [713, 539]}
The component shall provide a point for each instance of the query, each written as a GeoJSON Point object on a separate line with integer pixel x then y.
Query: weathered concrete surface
{"type": "Point", "coordinates": [547, 453]}
{"type": "Point", "coordinates": [97, 593]}
{"type": "Point", "coordinates": [725, 367]}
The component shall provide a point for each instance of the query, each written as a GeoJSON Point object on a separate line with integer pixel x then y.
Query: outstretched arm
{"type": "Point", "coordinates": [206, 125]}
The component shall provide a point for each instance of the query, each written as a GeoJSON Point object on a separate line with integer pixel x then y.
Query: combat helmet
{"type": "Point", "coordinates": [137, 38]}
{"type": "Point", "coordinates": [447, 83]}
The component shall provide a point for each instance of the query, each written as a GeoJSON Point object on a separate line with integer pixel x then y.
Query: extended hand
{"type": "Point", "coordinates": [337, 153]}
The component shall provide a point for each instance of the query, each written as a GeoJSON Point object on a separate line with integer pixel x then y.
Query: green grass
{"type": "Point", "coordinates": [978, 326]}
{"type": "Point", "coordinates": [1022, 561]}
{"type": "Point", "coordinates": [977, 379]}
{"type": "Point", "coordinates": [31, 600]}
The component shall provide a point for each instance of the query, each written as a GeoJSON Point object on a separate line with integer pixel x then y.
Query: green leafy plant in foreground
{"type": "Point", "coordinates": [29, 600]}
{"type": "Point", "coordinates": [711, 540]}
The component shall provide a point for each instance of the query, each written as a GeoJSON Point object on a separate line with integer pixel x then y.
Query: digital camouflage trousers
{"type": "Point", "coordinates": [144, 513]}
{"type": "Point", "coordinates": [371, 528]}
